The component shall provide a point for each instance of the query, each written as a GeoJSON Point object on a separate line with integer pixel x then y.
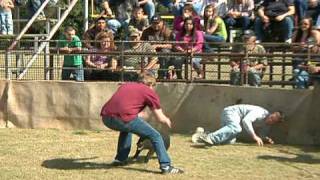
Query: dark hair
{"type": "Point", "coordinates": [194, 29]}
{"type": "Point", "coordinates": [299, 30]}
{"type": "Point", "coordinates": [69, 28]}
{"type": "Point", "coordinates": [100, 18]}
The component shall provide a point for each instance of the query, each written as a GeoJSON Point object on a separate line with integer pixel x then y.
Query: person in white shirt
{"type": "Point", "coordinates": [236, 117]}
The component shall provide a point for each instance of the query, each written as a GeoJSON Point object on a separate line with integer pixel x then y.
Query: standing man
{"type": "Point", "coordinates": [72, 63]}
{"type": "Point", "coordinates": [121, 112]}
{"type": "Point", "coordinates": [251, 117]}
{"type": "Point", "coordinates": [158, 31]}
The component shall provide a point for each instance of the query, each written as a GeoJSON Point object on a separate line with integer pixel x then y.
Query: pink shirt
{"type": "Point", "coordinates": [198, 43]}
{"type": "Point", "coordinates": [129, 100]}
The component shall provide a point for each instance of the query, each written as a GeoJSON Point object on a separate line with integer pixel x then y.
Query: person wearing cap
{"type": "Point", "coordinates": [159, 32]}
{"type": "Point", "coordinates": [253, 67]}
{"type": "Point", "coordinates": [139, 63]}
{"type": "Point", "coordinates": [90, 35]}
{"type": "Point", "coordinates": [254, 119]}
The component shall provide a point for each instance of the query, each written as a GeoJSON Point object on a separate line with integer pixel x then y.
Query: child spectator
{"type": "Point", "coordinates": [148, 7]}
{"type": "Point", "coordinates": [187, 12]}
{"type": "Point", "coordinates": [192, 43]}
{"type": "Point", "coordinates": [106, 10]}
{"type": "Point", "coordinates": [254, 67]}
{"type": "Point", "coordinates": [72, 64]}
{"type": "Point", "coordinates": [138, 20]}
{"type": "Point", "coordinates": [113, 24]}
{"type": "Point", "coordinates": [214, 27]}
{"type": "Point", "coordinates": [6, 23]}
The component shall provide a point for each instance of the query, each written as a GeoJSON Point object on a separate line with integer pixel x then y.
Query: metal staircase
{"type": "Point", "coordinates": [43, 44]}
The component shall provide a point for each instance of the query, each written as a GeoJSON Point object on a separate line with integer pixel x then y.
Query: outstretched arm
{"type": "Point", "coordinates": [161, 117]}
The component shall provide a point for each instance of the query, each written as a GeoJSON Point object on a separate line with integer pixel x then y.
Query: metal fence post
{"type": "Point", "coordinates": [7, 65]}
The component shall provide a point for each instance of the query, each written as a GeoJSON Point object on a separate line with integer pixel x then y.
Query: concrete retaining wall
{"type": "Point", "coordinates": [72, 105]}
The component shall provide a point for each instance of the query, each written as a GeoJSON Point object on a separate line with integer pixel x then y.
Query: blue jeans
{"type": "Point", "coordinates": [34, 5]}
{"type": "Point", "coordinates": [211, 38]}
{"type": "Point", "coordinates": [114, 25]}
{"type": "Point", "coordinates": [6, 22]}
{"type": "Point", "coordinates": [141, 128]}
{"type": "Point", "coordinates": [283, 28]}
{"type": "Point", "coordinates": [301, 78]}
{"type": "Point", "coordinates": [301, 7]}
{"type": "Point", "coordinates": [149, 8]}
{"type": "Point", "coordinates": [230, 128]}
{"type": "Point", "coordinates": [73, 73]}
{"type": "Point", "coordinates": [242, 22]}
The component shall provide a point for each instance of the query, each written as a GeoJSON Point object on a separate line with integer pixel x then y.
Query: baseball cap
{"type": "Point", "coordinates": [248, 33]}
{"type": "Point", "coordinates": [156, 19]}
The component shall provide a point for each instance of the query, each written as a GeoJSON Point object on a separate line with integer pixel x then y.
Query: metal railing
{"type": "Point", "coordinates": [215, 65]}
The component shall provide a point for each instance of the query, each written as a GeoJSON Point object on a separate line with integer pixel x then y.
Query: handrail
{"type": "Point", "coordinates": [25, 29]}
{"type": "Point", "coordinates": [50, 35]}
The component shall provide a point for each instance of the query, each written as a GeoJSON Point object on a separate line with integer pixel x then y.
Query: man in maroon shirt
{"type": "Point", "coordinates": [121, 113]}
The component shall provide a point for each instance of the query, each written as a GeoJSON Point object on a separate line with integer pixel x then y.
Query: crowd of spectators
{"type": "Point", "coordinates": [198, 25]}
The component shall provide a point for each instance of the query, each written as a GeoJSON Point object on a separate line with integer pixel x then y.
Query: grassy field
{"type": "Point", "coordinates": [58, 154]}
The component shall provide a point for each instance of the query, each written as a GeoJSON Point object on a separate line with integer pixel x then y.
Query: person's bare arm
{"type": "Point", "coordinates": [161, 117]}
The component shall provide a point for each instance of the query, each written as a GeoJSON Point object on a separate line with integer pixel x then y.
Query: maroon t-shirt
{"type": "Point", "coordinates": [129, 100]}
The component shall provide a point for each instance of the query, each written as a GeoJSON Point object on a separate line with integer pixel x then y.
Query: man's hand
{"type": "Point", "coordinates": [265, 19]}
{"type": "Point", "coordinates": [269, 140]}
{"type": "Point", "coordinates": [280, 18]}
{"type": "Point", "coordinates": [258, 140]}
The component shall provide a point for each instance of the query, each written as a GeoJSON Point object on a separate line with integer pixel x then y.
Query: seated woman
{"type": "Point", "coordinates": [193, 43]}
{"type": "Point", "coordinates": [103, 65]}
{"type": "Point", "coordinates": [214, 27]}
{"type": "Point", "coordinates": [187, 12]}
{"type": "Point", "coordinates": [304, 38]}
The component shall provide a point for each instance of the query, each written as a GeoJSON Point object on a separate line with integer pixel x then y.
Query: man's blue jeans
{"type": "Point", "coordinates": [230, 128]}
{"type": "Point", "coordinates": [150, 9]}
{"type": "Point", "coordinates": [242, 22]}
{"type": "Point", "coordinates": [301, 78]}
{"type": "Point", "coordinates": [141, 128]}
{"type": "Point", "coordinates": [284, 27]}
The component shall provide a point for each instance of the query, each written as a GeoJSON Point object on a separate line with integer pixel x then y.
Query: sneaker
{"type": "Point", "coordinates": [206, 139]}
{"type": "Point", "coordinates": [171, 170]}
{"type": "Point", "coordinates": [116, 162]}
{"type": "Point", "coordinates": [195, 138]}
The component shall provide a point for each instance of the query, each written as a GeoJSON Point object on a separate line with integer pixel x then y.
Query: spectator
{"type": "Point", "coordinates": [104, 65]}
{"type": "Point", "coordinates": [90, 35]}
{"type": "Point", "coordinates": [72, 64]}
{"type": "Point", "coordinates": [192, 42]}
{"type": "Point", "coordinates": [158, 31]}
{"type": "Point", "coordinates": [6, 22]}
{"type": "Point", "coordinates": [251, 117]}
{"type": "Point", "coordinates": [123, 11]}
{"type": "Point", "coordinates": [304, 38]}
{"type": "Point", "coordinates": [220, 5]}
{"type": "Point", "coordinates": [178, 6]}
{"type": "Point", "coordinates": [138, 20]}
{"type": "Point", "coordinates": [240, 13]}
{"type": "Point", "coordinates": [254, 67]}
{"type": "Point", "coordinates": [187, 12]}
{"type": "Point", "coordinates": [137, 64]}
{"type": "Point", "coordinates": [124, 115]}
{"type": "Point", "coordinates": [307, 8]}
{"type": "Point", "coordinates": [33, 7]}
{"type": "Point", "coordinates": [275, 16]}
{"type": "Point", "coordinates": [113, 24]}
{"type": "Point", "coordinates": [214, 27]}
{"type": "Point", "coordinates": [148, 7]}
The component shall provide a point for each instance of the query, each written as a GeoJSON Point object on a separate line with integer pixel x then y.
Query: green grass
{"type": "Point", "coordinates": [58, 154]}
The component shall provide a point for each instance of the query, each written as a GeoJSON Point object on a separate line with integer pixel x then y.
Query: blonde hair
{"type": "Point", "coordinates": [103, 35]}
{"type": "Point", "coordinates": [147, 79]}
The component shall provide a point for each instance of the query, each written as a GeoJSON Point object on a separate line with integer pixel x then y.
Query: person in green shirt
{"type": "Point", "coordinates": [70, 44]}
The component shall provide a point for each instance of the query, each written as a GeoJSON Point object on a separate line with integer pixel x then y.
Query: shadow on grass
{"type": "Point", "coordinates": [300, 158]}
{"type": "Point", "coordinates": [82, 163]}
